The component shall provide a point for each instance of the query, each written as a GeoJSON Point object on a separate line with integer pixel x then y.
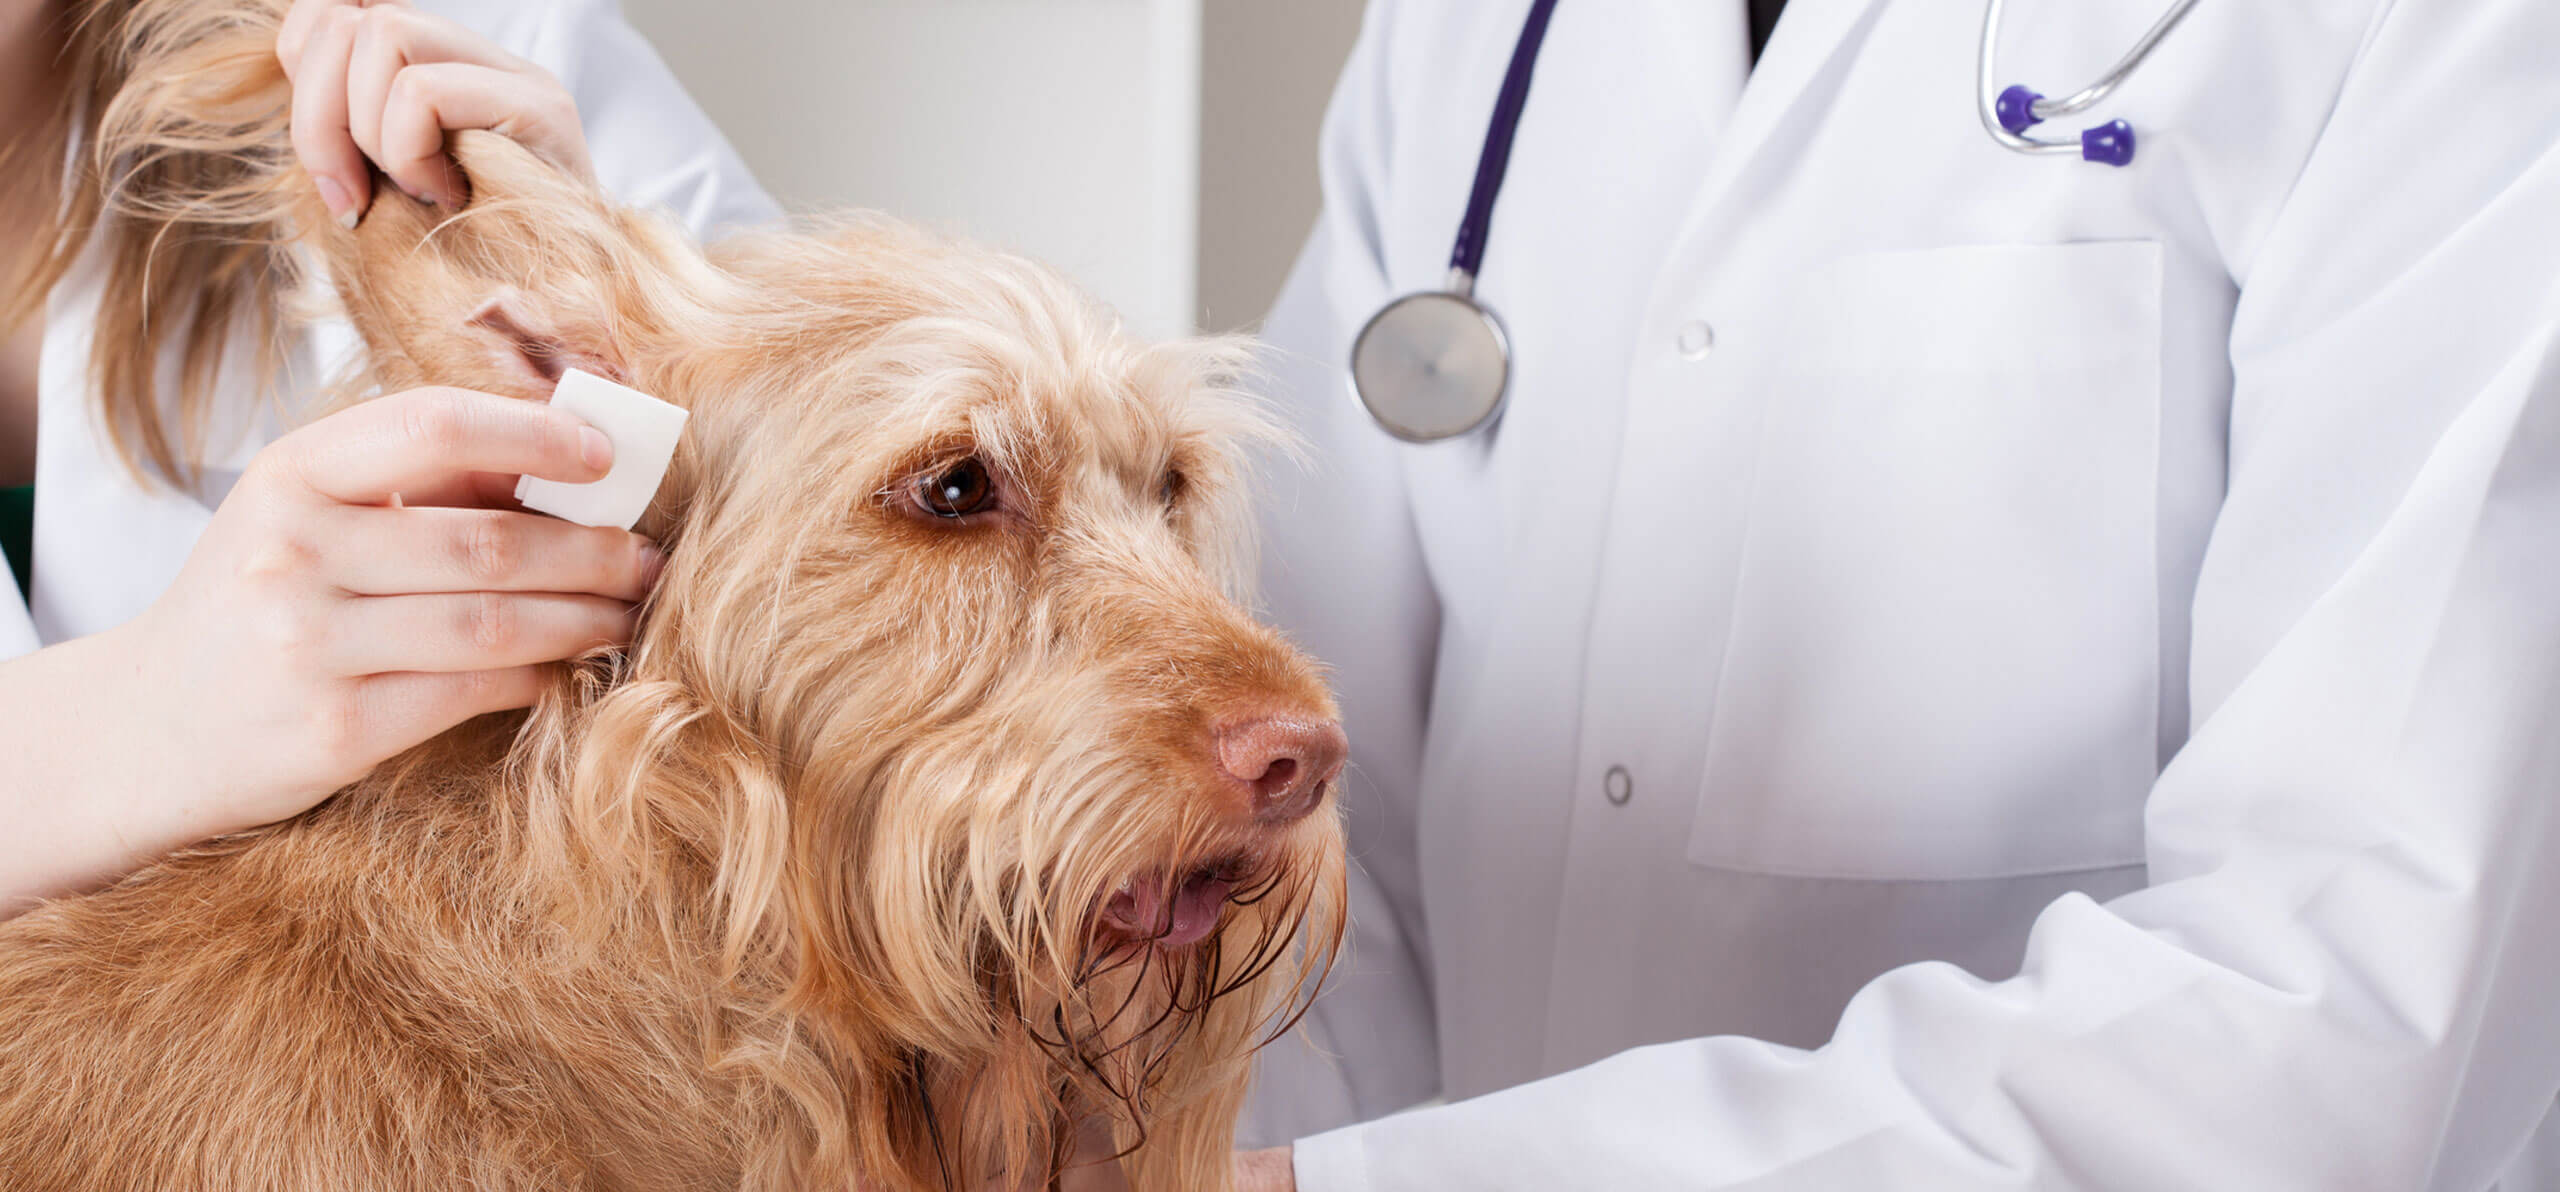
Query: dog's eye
{"type": "Point", "coordinates": [960, 490]}
{"type": "Point", "coordinates": [1171, 488]}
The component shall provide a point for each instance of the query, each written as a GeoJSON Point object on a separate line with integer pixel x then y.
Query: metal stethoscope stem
{"type": "Point", "coordinates": [2008, 114]}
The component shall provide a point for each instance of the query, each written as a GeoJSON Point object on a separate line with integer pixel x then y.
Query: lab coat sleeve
{"type": "Point", "coordinates": [2343, 975]}
{"type": "Point", "coordinates": [1342, 573]}
{"type": "Point", "coordinates": [652, 145]}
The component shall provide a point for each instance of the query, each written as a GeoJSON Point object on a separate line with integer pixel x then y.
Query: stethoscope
{"type": "Point", "coordinates": [2008, 114]}
{"type": "Point", "coordinates": [1436, 364]}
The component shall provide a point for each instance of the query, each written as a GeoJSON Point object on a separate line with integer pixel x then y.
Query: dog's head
{"type": "Point", "coordinates": [992, 802]}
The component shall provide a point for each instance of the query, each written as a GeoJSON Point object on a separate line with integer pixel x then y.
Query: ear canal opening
{"type": "Point", "coordinates": [531, 347]}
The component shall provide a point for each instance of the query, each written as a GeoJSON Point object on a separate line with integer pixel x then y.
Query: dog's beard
{"type": "Point", "coordinates": [1146, 1032]}
{"type": "Point", "coordinates": [1138, 997]}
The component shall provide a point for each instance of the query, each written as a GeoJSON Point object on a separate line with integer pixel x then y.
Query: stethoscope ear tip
{"type": "Point", "coordinates": [2017, 109]}
{"type": "Point", "coordinates": [2109, 144]}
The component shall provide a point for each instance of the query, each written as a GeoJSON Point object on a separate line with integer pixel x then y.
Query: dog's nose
{"type": "Point", "coordinates": [1285, 762]}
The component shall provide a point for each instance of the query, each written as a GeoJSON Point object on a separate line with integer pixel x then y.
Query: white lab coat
{"type": "Point", "coordinates": [106, 546]}
{"type": "Point", "coordinates": [2079, 650]}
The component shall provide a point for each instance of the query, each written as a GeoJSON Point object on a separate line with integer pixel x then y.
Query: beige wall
{"type": "Point", "coordinates": [1162, 151]}
{"type": "Point", "coordinates": [1266, 70]}
{"type": "Point", "coordinates": [1066, 129]}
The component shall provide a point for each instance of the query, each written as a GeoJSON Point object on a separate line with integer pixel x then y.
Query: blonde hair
{"type": "Point", "coordinates": [165, 116]}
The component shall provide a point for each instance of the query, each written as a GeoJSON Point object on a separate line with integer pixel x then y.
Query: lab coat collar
{"type": "Point", "coordinates": [86, 581]}
{"type": "Point", "coordinates": [17, 628]}
{"type": "Point", "coordinates": [1804, 60]}
{"type": "Point", "coordinates": [17, 616]}
{"type": "Point", "coordinates": [105, 546]}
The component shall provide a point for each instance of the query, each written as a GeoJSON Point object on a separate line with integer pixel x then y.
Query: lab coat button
{"type": "Point", "coordinates": [1618, 785]}
{"type": "Point", "coordinates": [1696, 340]}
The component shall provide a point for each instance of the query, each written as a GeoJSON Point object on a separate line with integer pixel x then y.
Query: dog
{"type": "Point", "coordinates": [947, 802]}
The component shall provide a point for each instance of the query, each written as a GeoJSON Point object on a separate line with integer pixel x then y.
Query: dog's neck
{"type": "Point", "coordinates": [598, 895]}
{"type": "Point", "coordinates": [581, 984]}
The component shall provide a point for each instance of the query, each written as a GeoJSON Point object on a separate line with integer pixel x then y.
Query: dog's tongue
{"type": "Point", "coordinates": [1138, 911]}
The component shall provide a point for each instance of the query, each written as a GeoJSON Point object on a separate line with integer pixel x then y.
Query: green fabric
{"type": "Point", "coordinates": [18, 533]}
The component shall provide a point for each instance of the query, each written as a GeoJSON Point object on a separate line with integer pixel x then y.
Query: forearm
{"type": "Point", "coordinates": [79, 791]}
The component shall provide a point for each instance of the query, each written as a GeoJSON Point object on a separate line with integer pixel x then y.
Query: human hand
{"type": "Point", "coordinates": [378, 80]}
{"type": "Point", "coordinates": [320, 627]}
{"type": "Point", "coordinates": [1266, 1171]}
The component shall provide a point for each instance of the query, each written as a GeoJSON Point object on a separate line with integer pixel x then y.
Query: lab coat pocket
{"type": "Point", "coordinates": [1944, 657]}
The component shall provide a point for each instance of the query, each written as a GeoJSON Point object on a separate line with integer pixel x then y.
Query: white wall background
{"type": "Point", "coordinates": [1161, 151]}
{"type": "Point", "coordinates": [1267, 68]}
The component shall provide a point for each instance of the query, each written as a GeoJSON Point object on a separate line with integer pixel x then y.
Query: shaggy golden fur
{"type": "Point", "coordinates": [814, 886]}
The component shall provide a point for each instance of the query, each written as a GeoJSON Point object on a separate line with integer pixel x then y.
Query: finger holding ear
{"type": "Point", "coordinates": [427, 102]}
{"type": "Point", "coordinates": [303, 20]}
{"type": "Point", "coordinates": [392, 39]}
{"type": "Point", "coordinates": [378, 84]}
{"type": "Point", "coordinates": [320, 136]}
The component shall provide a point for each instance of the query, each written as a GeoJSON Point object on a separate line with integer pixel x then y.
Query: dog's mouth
{"type": "Point", "coordinates": [1151, 910]}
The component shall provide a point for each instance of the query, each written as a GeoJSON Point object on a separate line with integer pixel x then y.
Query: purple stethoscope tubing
{"type": "Point", "coordinates": [2008, 113]}
{"type": "Point", "coordinates": [1467, 256]}
{"type": "Point", "coordinates": [1436, 364]}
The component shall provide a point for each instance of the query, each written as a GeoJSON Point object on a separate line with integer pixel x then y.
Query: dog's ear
{"type": "Point", "coordinates": [538, 273]}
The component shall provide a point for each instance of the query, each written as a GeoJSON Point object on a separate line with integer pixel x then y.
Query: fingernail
{"type": "Point", "coordinates": [334, 196]}
{"type": "Point", "coordinates": [653, 563]}
{"type": "Point", "coordinates": [594, 448]}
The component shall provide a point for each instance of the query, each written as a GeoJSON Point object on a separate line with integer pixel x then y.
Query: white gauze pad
{"type": "Point", "coordinates": [643, 432]}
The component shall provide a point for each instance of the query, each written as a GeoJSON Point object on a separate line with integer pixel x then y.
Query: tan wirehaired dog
{"type": "Point", "coordinates": [946, 798]}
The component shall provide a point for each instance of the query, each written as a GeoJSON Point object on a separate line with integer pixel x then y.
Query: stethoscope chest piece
{"type": "Point", "coordinates": [1432, 365]}
{"type": "Point", "coordinates": [1436, 364]}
